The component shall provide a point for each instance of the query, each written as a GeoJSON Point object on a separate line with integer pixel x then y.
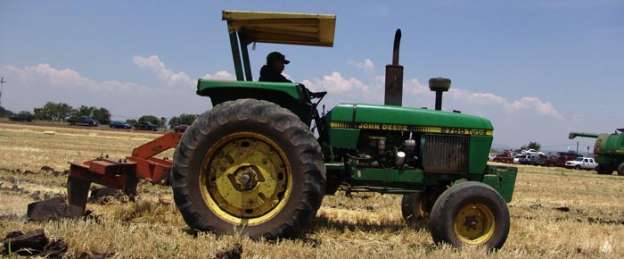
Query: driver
{"type": "Point", "coordinates": [272, 70]}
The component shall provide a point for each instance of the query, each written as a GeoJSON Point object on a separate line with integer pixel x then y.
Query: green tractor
{"type": "Point", "coordinates": [609, 150]}
{"type": "Point", "coordinates": [263, 157]}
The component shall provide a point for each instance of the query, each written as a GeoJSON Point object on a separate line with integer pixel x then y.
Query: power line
{"type": "Point", "coordinates": [2, 82]}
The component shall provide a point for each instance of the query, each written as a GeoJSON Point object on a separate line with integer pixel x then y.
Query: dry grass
{"type": "Point", "coordinates": [367, 225]}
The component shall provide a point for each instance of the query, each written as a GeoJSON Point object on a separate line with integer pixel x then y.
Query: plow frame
{"type": "Point", "coordinates": [122, 174]}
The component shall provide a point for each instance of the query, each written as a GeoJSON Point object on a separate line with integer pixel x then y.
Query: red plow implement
{"type": "Point", "coordinates": [122, 174]}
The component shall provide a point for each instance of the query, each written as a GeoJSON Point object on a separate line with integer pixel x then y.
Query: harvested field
{"type": "Point", "coordinates": [556, 213]}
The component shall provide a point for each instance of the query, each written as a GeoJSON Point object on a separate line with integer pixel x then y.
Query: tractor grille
{"type": "Point", "coordinates": [445, 154]}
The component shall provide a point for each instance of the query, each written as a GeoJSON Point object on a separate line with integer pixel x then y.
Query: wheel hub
{"type": "Point", "coordinates": [245, 177]}
{"type": "Point", "coordinates": [471, 222]}
{"type": "Point", "coordinates": [474, 224]}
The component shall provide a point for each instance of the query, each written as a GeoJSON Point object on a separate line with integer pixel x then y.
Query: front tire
{"type": "Point", "coordinates": [248, 166]}
{"type": "Point", "coordinates": [620, 169]}
{"type": "Point", "coordinates": [604, 170]}
{"type": "Point", "coordinates": [470, 214]}
{"type": "Point", "coordinates": [416, 207]}
{"type": "Point", "coordinates": [413, 210]}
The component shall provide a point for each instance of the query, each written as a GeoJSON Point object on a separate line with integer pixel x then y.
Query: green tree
{"type": "Point", "coordinates": [174, 121]}
{"type": "Point", "coordinates": [102, 115]}
{"type": "Point", "coordinates": [186, 119]}
{"type": "Point", "coordinates": [532, 145]}
{"type": "Point", "coordinates": [84, 111]}
{"type": "Point", "coordinates": [149, 119]}
{"type": "Point", "coordinates": [4, 112]}
{"type": "Point", "coordinates": [535, 145]}
{"type": "Point", "coordinates": [53, 111]}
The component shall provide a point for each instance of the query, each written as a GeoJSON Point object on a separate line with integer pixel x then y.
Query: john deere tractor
{"type": "Point", "coordinates": [254, 159]}
{"type": "Point", "coordinates": [261, 160]}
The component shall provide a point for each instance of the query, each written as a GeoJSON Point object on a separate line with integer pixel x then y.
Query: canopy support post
{"type": "Point", "coordinates": [245, 52]}
{"type": "Point", "coordinates": [237, 57]}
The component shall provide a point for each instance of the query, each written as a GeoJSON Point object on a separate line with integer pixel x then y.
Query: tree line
{"type": "Point", "coordinates": [62, 112]}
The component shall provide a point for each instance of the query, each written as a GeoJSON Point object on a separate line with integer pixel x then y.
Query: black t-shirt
{"type": "Point", "coordinates": [267, 74]}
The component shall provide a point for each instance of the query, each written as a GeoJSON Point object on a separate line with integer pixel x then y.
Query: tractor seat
{"type": "Point", "coordinates": [315, 95]}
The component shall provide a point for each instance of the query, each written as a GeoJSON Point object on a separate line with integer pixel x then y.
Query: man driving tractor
{"type": "Point", "coordinates": [272, 70]}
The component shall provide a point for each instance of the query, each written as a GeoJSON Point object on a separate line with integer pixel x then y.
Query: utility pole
{"type": "Point", "coordinates": [2, 82]}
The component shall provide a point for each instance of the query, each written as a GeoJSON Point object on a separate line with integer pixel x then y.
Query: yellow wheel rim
{"type": "Point", "coordinates": [474, 224]}
{"type": "Point", "coordinates": [245, 178]}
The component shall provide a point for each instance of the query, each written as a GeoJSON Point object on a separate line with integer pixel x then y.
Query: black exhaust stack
{"type": "Point", "coordinates": [394, 75]}
{"type": "Point", "coordinates": [439, 85]}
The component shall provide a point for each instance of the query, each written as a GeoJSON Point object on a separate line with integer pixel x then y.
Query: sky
{"type": "Point", "coordinates": [536, 69]}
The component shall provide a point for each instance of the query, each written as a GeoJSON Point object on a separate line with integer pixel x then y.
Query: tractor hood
{"type": "Point", "coordinates": [384, 117]}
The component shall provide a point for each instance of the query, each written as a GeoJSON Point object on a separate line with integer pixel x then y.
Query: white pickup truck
{"type": "Point", "coordinates": [582, 163]}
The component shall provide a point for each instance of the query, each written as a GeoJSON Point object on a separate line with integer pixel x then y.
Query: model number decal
{"type": "Point", "coordinates": [397, 127]}
{"type": "Point", "coordinates": [464, 131]}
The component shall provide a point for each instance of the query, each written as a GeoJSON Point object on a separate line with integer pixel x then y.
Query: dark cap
{"type": "Point", "coordinates": [276, 56]}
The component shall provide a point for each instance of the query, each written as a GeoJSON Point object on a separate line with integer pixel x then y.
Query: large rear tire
{"type": "Point", "coordinates": [470, 214]}
{"type": "Point", "coordinates": [248, 166]}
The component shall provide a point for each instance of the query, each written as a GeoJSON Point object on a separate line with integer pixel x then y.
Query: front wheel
{"type": "Point", "coordinates": [470, 214]}
{"type": "Point", "coordinates": [414, 210]}
{"type": "Point", "coordinates": [620, 169]}
{"type": "Point", "coordinates": [248, 166]}
{"type": "Point", "coordinates": [416, 207]}
{"type": "Point", "coordinates": [603, 170]}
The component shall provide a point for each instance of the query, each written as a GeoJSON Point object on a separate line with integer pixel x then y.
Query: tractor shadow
{"type": "Point", "coordinates": [324, 223]}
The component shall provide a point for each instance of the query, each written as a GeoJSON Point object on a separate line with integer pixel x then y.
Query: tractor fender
{"type": "Point", "coordinates": [288, 95]}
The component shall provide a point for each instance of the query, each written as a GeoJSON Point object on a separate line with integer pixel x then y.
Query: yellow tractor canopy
{"type": "Point", "coordinates": [284, 28]}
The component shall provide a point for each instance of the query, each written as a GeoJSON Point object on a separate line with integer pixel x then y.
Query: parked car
{"type": "Point", "coordinates": [119, 125]}
{"type": "Point", "coordinates": [561, 158]}
{"type": "Point", "coordinates": [83, 121]}
{"type": "Point", "coordinates": [533, 159]}
{"type": "Point", "coordinates": [22, 116]}
{"type": "Point", "coordinates": [180, 128]}
{"type": "Point", "coordinates": [146, 126]}
{"type": "Point", "coordinates": [503, 158]}
{"type": "Point", "coordinates": [582, 163]}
